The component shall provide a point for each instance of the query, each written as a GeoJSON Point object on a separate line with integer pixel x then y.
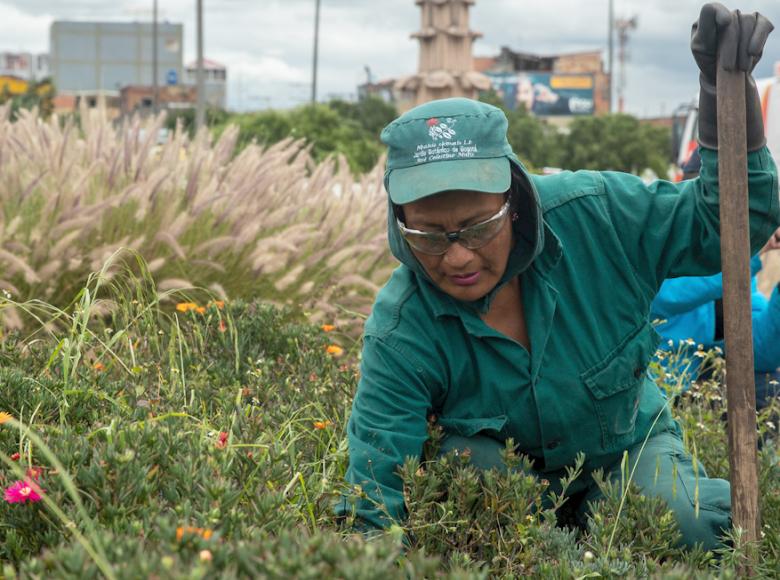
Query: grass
{"type": "Point", "coordinates": [211, 442]}
{"type": "Point", "coordinates": [260, 222]}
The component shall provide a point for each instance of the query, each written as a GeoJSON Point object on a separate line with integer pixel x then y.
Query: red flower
{"type": "Point", "coordinates": [34, 473]}
{"type": "Point", "coordinates": [23, 491]}
{"type": "Point", "coordinates": [222, 440]}
{"type": "Point", "coordinates": [15, 456]}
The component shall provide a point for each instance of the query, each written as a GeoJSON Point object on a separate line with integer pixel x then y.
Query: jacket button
{"type": "Point", "coordinates": [638, 372]}
{"type": "Point", "coordinates": [553, 444]}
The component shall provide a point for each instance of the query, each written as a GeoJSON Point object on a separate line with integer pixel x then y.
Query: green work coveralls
{"type": "Point", "coordinates": [592, 249]}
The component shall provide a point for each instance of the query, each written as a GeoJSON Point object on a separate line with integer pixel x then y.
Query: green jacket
{"type": "Point", "coordinates": [592, 249]}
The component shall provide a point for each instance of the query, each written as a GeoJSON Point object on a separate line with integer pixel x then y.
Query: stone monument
{"type": "Point", "coordinates": [446, 67]}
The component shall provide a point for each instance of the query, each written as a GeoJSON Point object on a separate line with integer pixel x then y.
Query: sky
{"type": "Point", "coordinates": [267, 44]}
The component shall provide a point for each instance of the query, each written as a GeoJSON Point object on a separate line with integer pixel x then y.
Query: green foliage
{"type": "Point", "coordinates": [617, 143]}
{"type": "Point", "coordinates": [39, 95]}
{"type": "Point", "coordinates": [338, 127]}
{"type": "Point", "coordinates": [187, 443]}
{"type": "Point", "coordinates": [609, 142]}
{"type": "Point", "coordinates": [186, 118]}
{"type": "Point", "coordinates": [371, 113]}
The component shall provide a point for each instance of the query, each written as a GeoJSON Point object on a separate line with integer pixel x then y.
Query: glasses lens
{"type": "Point", "coordinates": [479, 235]}
{"type": "Point", "coordinates": [428, 243]}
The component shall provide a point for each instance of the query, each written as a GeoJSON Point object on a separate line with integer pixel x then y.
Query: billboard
{"type": "Point", "coordinates": [546, 93]}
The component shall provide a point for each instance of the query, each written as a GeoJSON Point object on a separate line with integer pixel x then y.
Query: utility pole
{"type": "Point", "coordinates": [624, 27]}
{"type": "Point", "coordinates": [200, 111]}
{"type": "Point", "coordinates": [316, 49]}
{"type": "Point", "coordinates": [155, 63]}
{"type": "Point", "coordinates": [611, 49]}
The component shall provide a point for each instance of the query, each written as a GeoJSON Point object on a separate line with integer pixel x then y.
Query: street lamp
{"type": "Point", "coordinates": [316, 48]}
{"type": "Point", "coordinates": [200, 109]}
{"type": "Point", "coordinates": [611, 49]}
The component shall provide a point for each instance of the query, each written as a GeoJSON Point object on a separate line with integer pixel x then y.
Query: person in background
{"type": "Point", "coordinates": [520, 309]}
{"type": "Point", "coordinates": [690, 311]}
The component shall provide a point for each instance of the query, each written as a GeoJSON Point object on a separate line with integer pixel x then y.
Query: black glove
{"type": "Point", "coordinates": [740, 38]}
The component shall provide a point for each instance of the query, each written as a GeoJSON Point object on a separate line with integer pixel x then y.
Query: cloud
{"type": "Point", "coordinates": [26, 33]}
{"type": "Point", "coordinates": [268, 43]}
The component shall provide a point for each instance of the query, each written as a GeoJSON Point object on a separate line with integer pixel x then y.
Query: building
{"type": "Point", "coordinates": [140, 98]}
{"type": "Point", "coordinates": [557, 87]}
{"type": "Point", "coordinates": [102, 57]}
{"type": "Point", "coordinates": [215, 82]}
{"type": "Point", "coordinates": [446, 65]}
{"type": "Point", "coordinates": [24, 65]}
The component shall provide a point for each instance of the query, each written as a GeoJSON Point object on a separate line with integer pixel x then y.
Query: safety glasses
{"type": "Point", "coordinates": [471, 237]}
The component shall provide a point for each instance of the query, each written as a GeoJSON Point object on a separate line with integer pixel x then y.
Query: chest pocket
{"type": "Point", "coordinates": [616, 383]}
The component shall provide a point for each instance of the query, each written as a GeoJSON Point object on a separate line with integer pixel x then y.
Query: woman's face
{"type": "Point", "coordinates": [462, 273]}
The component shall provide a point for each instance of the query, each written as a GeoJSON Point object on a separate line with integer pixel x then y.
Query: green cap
{"type": "Point", "coordinates": [447, 145]}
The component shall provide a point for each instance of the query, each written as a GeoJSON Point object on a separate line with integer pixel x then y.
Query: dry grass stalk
{"type": "Point", "coordinates": [267, 221]}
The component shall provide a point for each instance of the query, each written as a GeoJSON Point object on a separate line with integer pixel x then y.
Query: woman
{"type": "Point", "coordinates": [521, 306]}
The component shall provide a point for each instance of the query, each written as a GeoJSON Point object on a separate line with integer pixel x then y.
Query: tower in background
{"type": "Point", "coordinates": [446, 65]}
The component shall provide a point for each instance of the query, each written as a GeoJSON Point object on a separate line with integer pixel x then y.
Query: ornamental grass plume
{"type": "Point", "coordinates": [263, 221]}
{"type": "Point", "coordinates": [23, 491]}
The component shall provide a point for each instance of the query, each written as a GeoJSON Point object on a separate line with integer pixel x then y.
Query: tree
{"type": "Point", "coordinates": [371, 113]}
{"type": "Point", "coordinates": [534, 141]}
{"type": "Point", "coordinates": [615, 142]}
{"type": "Point", "coordinates": [38, 94]}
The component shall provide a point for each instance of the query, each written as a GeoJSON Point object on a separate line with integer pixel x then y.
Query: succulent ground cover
{"type": "Point", "coordinates": [154, 424]}
{"type": "Point", "coordinates": [189, 437]}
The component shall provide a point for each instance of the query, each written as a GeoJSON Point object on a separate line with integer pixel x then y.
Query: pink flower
{"type": "Point", "coordinates": [23, 491]}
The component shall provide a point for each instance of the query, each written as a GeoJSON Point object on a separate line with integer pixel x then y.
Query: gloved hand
{"type": "Point", "coordinates": [740, 38]}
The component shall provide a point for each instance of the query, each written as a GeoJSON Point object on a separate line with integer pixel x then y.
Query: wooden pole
{"type": "Point", "coordinates": [735, 260]}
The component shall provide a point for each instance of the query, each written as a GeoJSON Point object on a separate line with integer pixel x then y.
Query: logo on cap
{"type": "Point", "coordinates": [441, 129]}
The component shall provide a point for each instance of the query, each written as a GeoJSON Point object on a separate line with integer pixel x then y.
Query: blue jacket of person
{"type": "Point", "coordinates": [686, 306]}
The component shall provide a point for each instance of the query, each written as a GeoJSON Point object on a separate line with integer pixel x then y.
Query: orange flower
{"type": "Point", "coordinates": [99, 366]}
{"type": "Point", "coordinates": [220, 304]}
{"type": "Point", "coordinates": [186, 306]}
{"type": "Point", "coordinates": [201, 310]}
{"type": "Point", "coordinates": [320, 425]}
{"type": "Point", "coordinates": [328, 327]}
{"type": "Point", "coordinates": [335, 350]}
{"type": "Point", "coordinates": [5, 417]}
{"type": "Point", "coordinates": [222, 326]}
{"type": "Point", "coordinates": [202, 532]}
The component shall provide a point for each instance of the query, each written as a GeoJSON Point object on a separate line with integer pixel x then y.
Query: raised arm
{"type": "Point", "coordinates": [671, 229]}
